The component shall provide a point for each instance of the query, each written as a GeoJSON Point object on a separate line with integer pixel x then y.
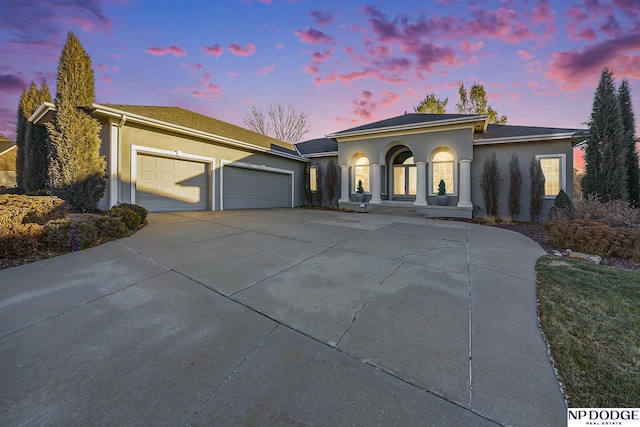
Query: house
{"type": "Point", "coordinates": [401, 161]}
{"type": "Point", "coordinates": [8, 152]}
{"type": "Point", "coordinates": [172, 159]}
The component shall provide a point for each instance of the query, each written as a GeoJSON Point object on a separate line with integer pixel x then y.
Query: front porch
{"type": "Point", "coordinates": [408, 208]}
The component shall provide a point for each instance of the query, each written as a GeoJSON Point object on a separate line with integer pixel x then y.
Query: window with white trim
{"type": "Point", "coordinates": [313, 182]}
{"type": "Point", "coordinates": [442, 167]}
{"type": "Point", "coordinates": [361, 173]}
{"type": "Point", "coordinates": [553, 168]}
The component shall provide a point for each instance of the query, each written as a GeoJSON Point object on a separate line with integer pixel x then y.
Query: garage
{"type": "Point", "coordinates": [166, 184]}
{"type": "Point", "coordinates": [246, 188]}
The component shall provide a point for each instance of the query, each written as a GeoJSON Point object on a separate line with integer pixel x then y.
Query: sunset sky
{"type": "Point", "coordinates": [344, 63]}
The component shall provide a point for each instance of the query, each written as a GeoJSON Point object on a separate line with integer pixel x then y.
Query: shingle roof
{"type": "Point", "coordinates": [5, 144]}
{"type": "Point", "coordinates": [317, 146]}
{"type": "Point", "coordinates": [189, 119]}
{"type": "Point", "coordinates": [407, 119]}
{"type": "Point", "coordinates": [509, 131]}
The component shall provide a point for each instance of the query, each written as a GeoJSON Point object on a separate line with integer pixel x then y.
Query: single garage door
{"type": "Point", "coordinates": [165, 185]}
{"type": "Point", "coordinates": [251, 188]}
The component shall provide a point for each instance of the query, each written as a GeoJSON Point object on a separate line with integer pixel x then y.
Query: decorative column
{"type": "Point", "coordinates": [345, 196]}
{"type": "Point", "coordinates": [421, 187]}
{"type": "Point", "coordinates": [464, 201]}
{"type": "Point", "coordinates": [375, 184]}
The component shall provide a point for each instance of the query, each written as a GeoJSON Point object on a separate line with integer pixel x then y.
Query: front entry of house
{"type": "Point", "coordinates": [405, 176]}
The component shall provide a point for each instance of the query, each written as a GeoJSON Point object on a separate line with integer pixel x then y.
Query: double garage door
{"type": "Point", "coordinates": [167, 184]}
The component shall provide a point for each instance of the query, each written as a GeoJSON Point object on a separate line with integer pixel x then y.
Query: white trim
{"type": "Point", "coordinates": [13, 147]}
{"type": "Point", "coordinates": [178, 155]}
{"type": "Point", "coordinates": [327, 154]}
{"type": "Point", "coordinates": [527, 138]}
{"type": "Point", "coordinates": [411, 126]}
{"type": "Point", "coordinates": [114, 187]}
{"type": "Point", "coordinates": [264, 168]}
{"type": "Point", "coordinates": [456, 172]}
{"type": "Point", "coordinates": [563, 170]}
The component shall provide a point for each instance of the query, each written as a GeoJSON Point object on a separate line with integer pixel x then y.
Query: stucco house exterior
{"type": "Point", "coordinates": [171, 159]}
{"type": "Point", "coordinates": [8, 152]}
{"type": "Point", "coordinates": [401, 161]}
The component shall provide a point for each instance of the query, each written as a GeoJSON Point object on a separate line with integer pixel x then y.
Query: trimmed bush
{"type": "Point", "coordinates": [21, 240]}
{"type": "Point", "coordinates": [71, 234]}
{"type": "Point", "coordinates": [21, 209]}
{"type": "Point", "coordinates": [143, 212]}
{"type": "Point", "coordinates": [562, 208]}
{"type": "Point", "coordinates": [130, 218]}
{"type": "Point", "coordinates": [595, 237]}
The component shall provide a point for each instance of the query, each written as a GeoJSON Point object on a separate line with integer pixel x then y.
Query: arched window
{"type": "Point", "coordinates": [361, 173]}
{"type": "Point", "coordinates": [442, 167]}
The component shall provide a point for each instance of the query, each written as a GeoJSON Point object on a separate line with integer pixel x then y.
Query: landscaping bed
{"type": "Point", "coordinates": [38, 227]}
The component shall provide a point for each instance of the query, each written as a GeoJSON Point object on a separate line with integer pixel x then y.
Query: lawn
{"type": "Point", "coordinates": [590, 315]}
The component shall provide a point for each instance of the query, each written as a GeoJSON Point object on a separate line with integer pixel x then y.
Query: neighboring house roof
{"type": "Point", "coordinates": [318, 147]}
{"type": "Point", "coordinates": [8, 152]}
{"type": "Point", "coordinates": [413, 121]}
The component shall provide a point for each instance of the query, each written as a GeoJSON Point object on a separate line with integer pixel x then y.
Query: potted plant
{"type": "Point", "coordinates": [360, 192]}
{"type": "Point", "coordinates": [442, 193]}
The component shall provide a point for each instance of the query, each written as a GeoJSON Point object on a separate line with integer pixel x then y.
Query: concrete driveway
{"type": "Point", "coordinates": [280, 317]}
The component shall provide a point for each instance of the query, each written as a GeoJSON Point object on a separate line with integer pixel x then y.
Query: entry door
{"type": "Point", "coordinates": [405, 176]}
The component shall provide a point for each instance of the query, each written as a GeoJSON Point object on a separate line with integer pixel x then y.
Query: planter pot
{"type": "Point", "coordinates": [359, 197]}
{"type": "Point", "coordinates": [442, 200]}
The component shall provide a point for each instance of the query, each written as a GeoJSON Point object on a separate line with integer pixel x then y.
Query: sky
{"type": "Point", "coordinates": [344, 63]}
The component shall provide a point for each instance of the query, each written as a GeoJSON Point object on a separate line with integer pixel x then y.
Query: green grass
{"type": "Point", "coordinates": [590, 315]}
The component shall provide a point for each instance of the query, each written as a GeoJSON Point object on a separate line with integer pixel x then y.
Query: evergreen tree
{"type": "Point", "coordinates": [21, 136]}
{"type": "Point", "coordinates": [432, 105]}
{"type": "Point", "coordinates": [76, 171]}
{"type": "Point", "coordinates": [605, 172]}
{"type": "Point", "coordinates": [629, 128]}
{"type": "Point", "coordinates": [36, 166]}
{"type": "Point", "coordinates": [537, 189]}
{"type": "Point", "coordinates": [490, 184]}
{"type": "Point", "coordinates": [515, 186]}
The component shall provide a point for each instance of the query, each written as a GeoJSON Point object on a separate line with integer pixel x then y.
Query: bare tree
{"type": "Point", "coordinates": [284, 123]}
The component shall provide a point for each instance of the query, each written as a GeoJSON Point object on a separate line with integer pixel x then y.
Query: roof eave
{"type": "Point", "coordinates": [413, 126]}
{"type": "Point", "coordinates": [526, 138]}
{"type": "Point", "coordinates": [136, 118]}
{"type": "Point", "coordinates": [42, 112]}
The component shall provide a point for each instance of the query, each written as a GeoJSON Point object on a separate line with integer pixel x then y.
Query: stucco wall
{"type": "Point", "coordinates": [525, 152]}
{"type": "Point", "coordinates": [134, 134]}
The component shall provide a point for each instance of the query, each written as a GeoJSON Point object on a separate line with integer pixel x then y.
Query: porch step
{"type": "Point", "coordinates": [408, 209]}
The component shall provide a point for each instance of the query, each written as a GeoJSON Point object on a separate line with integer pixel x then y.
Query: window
{"type": "Point", "coordinates": [442, 168]}
{"type": "Point", "coordinates": [361, 173]}
{"type": "Point", "coordinates": [313, 182]}
{"type": "Point", "coordinates": [553, 166]}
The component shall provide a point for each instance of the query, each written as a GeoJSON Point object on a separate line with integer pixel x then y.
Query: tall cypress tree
{"type": "Point", "coordinates": [605, 173]}
{"type": "Point", "coordinates": [76, 171]}
{"type": "Point", "coordinates": [36, 161]}
{"type": "Point", "coordinates": [629, 127]}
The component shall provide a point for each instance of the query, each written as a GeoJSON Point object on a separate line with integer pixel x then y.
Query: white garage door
{"type": "Point", "coordinates": [250, 188]}
{"type": "Point", "coordinates": [165, 185]}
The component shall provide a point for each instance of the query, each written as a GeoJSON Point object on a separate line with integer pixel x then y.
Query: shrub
{"type": "Point", "coordinates": [616, 213]}
{"type": "Point", "coordinates": [537, 189]}
{"type": "Point", "coordinates": [562, 207]}
{"type": "Point", "coordinates": [490, 184]}
{"type": "Point", "coordinates": [595, 237]}
{"type": "Point", "coordinates": [515, 187]}
{"type": "Point", "coordinates": [143, 212]}
{"type": "Point", "coordinates": [110, 228]}
{"type": "Point", "coordinates": [71, 234]}
{"type": "Point", "coordinates": [21, 240]}
{"type": "Point", "coordinates": [130, 218]}
{"type": "Point", "coordinates": [21, 209]}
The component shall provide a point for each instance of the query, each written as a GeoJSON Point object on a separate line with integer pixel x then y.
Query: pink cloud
{"type": "Point", "coordinates": [233, 73]}
{"type": "Point", "coordinates": [313, 36]}
{"type": "Point", "coordinates": [264, 1]}
{"type": "Point", "coordinates": [467, 47]}
{"type": "Point", "coordinates": [321, 18]}
{"type": "Point", "coordinates": [319, 57]}
{"type": "Point", "coordinates": [106, 79]}
{"type": "Point", "coordinates": [196, 67]}
{"type": "Point", "coordinates": [364, 107]}
{"type": "Point", "coordinates": [265, 70]}
{"type": "Point", "coordinates": [215, 50]}
{"type": "Point", "coordinates": [525, 55]}
{"type": "Point", "coordinates": [174, 50]}
{"type": "Point", "coordinates": [574, 66]}
{"type": "Point", "coordinates": [101, 67]}
{"type": "Point", "coordinates": [347, 78]}
{"type": "Point", "coordinates": [389, 99]}
{"type": "Point", "coordinates": [280, 46]}
{"type": "Point", "coordinates": [116, 68]}
{"type": "Point", "coordinates": [114, 55]}
{"type": "Point", "coordinates": [238, 50]}
{"type": "Point", "coordinates": [205, 88]}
